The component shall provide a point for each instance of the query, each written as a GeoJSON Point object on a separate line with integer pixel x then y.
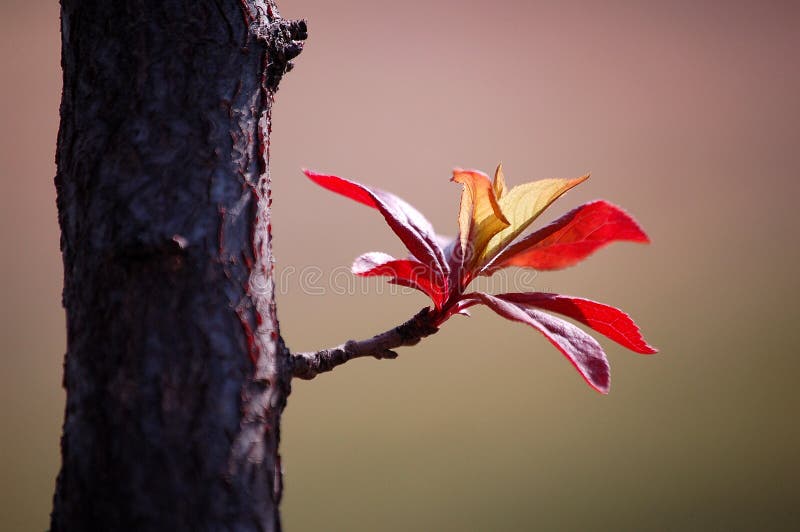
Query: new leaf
{"type": "Point", "coordinates": [491, 219]}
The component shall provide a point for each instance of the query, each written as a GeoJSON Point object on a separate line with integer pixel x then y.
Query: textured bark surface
{"type": "Point", "coordinates": [175, 372]}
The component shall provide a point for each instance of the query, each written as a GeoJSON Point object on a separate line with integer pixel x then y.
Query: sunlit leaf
{"type": "Point", "coordinates": [571, 238]}
{"type": "Point", "coordinates": [605, 319]}
{"type": "Point", "coordinates": [406, 272]}
{"type": "Point", "coordinates": [479, 217]}
{"type": "Point", "coordinates": [407, 222]}
{"type": "Point", "coordinates": [499, 183]}
{"type": "Point", "coordinates": [522, 205]}
{"type": "Point", "coordinates": [581, 350]}
{"type": "Point", "coordinates": [491, 218]}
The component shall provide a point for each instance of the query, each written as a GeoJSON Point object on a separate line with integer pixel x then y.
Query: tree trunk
{"type": "Point", "coordinates": [175, 372]}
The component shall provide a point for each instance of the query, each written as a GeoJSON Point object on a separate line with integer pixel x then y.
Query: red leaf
{"type": "Point", "coordinates": [405, 272]}
{"type": "Point", "coordinates": [607, 320]}
{"type": "Point", "coordinates": [581, 350]}
{"type": "Point", "coordinates": [407, 222]}
{"type": "Point", "coordinates": [571, 238]}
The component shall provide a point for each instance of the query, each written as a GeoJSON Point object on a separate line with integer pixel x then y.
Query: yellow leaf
{"type": "Point", "coordinates": [522, 205]}
{"type": "Point", "coordinates": [499, 184]}
{"type": "Point", "coordinates": [479, 217]}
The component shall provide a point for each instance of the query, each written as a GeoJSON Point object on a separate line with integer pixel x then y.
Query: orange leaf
{"type": "Point", "coordinates": [479, 217]}
{"type": "Point", "coordinates": [499, 184]}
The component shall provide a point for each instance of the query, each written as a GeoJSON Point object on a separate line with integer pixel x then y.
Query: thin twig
{"type": "Point", "coordinates": [309, 365]}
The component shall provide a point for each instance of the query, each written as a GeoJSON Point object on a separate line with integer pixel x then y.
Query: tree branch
{"type": "Point", "coordinates": [308, 365]}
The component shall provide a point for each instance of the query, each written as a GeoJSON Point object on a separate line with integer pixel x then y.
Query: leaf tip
{"type": "Point", "coordinates": [598, 375]}
{"type": "Point", "coordinates": [457, 171]}
{"type": "Point", "coordinates": [648, 350]}
{"type": "Point", "coordinates": [499, 176]}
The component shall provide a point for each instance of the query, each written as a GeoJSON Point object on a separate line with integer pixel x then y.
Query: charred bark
{"type": "Point", "coordinates": [175, 372]}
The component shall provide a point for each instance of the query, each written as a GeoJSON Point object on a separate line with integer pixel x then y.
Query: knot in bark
{"type": "Point", "coordinates": [283, 40]}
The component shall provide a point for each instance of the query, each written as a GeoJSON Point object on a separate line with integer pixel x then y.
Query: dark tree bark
{"type": "Point", "coordinates": [175, 372]}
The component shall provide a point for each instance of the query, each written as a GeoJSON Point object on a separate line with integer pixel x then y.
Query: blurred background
{"type": "Point", "coordinates": [685, 112]}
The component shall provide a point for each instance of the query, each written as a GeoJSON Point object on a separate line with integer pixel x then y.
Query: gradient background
{"type": "Point", "coordinates": [687, 114]}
